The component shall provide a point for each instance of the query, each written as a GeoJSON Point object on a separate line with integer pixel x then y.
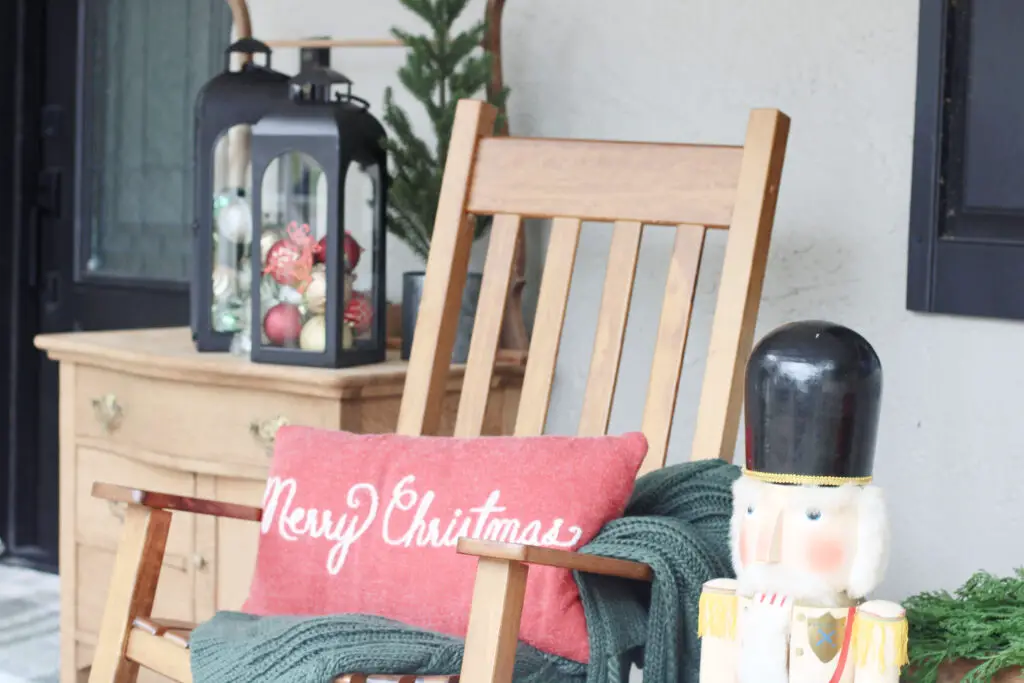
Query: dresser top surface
{"type": "Point", "coordinates": [171, 349]}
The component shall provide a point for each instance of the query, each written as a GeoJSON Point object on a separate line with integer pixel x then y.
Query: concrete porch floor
{"type": "Point", "coordinates": [29, 626]}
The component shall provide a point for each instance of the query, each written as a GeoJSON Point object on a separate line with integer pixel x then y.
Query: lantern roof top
{"type": "Point", "coordinates": [320, 76]}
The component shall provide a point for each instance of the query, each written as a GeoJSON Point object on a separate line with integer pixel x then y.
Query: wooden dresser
{"type": "Point", "coordinates": [144, 409]}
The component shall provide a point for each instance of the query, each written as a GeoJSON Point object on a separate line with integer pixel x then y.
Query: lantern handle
{"type": "Point", "coordinates": [247, 46]}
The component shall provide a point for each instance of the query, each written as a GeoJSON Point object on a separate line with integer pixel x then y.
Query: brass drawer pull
{"type": "Point", "coordinates": [108, 412]}
{"type": "Point", "coordinates": [264, 431]}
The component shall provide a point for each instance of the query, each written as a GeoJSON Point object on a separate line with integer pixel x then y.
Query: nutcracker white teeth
{"type": "Point", "coordinates": [809, 533]}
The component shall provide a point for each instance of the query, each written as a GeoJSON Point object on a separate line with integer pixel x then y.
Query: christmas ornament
{"type": "Point", "coordinates": [234, 221]}
{"type": "Point", "coordinates": [244, 277]}
{"type": "Point", "coordinates": [359, 313]}
{"type": "Point", "coordinates": [352, 251]}
{"type": "Point", "coordinates": [314, 334]}
{"type": "Point", "coordinates": [320, 251]}
{"type": "Point", "coordinates": [290, 260]}
{"type": "Point", "coordinates": [282, 324]}
{"type": "Point", "coordinates": [224, 277]}
{"type": "Point", "coordinates": [268, 239]}
{"type": "Point", "coordinates": [316, 291]}
{"type": "Point", "coordinates": [290, 295]}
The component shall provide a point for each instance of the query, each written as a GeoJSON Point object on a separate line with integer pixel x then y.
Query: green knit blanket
{"type": "Point", "coordinates": [677, 522]}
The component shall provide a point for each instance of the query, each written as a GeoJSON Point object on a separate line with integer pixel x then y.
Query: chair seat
{"type": "Point", "coordinates": [179, 632]}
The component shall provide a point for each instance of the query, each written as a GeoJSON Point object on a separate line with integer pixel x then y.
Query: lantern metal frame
{"type": "Point", "coordinates": [229, 99]}
{"type": "Point", "coordinates": [335, 132]}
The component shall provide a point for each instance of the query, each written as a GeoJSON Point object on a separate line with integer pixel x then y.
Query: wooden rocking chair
{"type": "Point", "coordinates": [691, 187]}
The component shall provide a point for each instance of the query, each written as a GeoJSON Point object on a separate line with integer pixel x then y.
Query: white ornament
{"type": "Point", "coordinates": [267, 240]}
{"type": "Point", "coordinates": [234, 221]}
{"type": "Point", "coordinates": [314, 334]}
{"type": "Point", "coordinates": [316, 291]}
{"type": "Point", "coordinates": [244, 277]}
{"type": "Point", "coordinates": [223, 279]}
{"type": "Point", "coordinates": [289, 295]}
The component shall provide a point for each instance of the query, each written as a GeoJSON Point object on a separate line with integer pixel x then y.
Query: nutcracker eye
{"type": "Point", "coordinates": [750, 509]}
{"type": "Point", "coordinates": [813, 514]}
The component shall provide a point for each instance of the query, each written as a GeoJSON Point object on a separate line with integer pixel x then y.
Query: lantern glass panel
{"type": "Point", "coordinates": [293, 288]}
{"type": "Point", "coordinates": [233, 230]}
{"type": "Point", "coordinates": [361, 184]}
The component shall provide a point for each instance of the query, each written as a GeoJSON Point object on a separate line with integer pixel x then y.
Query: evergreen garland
{"type": "Point", "coordinates": [439, 70]}
{"type": "Point", "coordinates": [982, 620]}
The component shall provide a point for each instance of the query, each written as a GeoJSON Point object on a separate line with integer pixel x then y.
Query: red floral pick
{"type": "Point", "coordinates": [359, 313]}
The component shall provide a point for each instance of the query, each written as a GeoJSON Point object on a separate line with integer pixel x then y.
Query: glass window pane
{"type": "Point", "coordinates": [145, 61]}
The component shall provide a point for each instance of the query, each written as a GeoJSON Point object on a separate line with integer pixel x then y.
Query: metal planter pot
{"type": "Point", "coordinates": [412, 291]}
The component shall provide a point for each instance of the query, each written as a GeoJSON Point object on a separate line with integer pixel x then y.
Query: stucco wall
{"type": "Point", "coordinates": [951, 445]}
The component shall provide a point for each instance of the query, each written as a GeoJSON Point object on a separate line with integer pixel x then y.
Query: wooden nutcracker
{"type": "Point", "coordinates": [809, 532]}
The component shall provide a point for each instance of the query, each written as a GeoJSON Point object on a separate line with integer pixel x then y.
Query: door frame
{"type": "Point", "coordinates": [23, 28]}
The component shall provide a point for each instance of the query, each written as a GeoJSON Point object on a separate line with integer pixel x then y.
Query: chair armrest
{"type": "Point", "coordinates": [169, 501]}
{"type": "Point", "coordinates": [531, 554]}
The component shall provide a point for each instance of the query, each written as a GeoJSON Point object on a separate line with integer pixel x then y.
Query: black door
{"type": "Point", "coordinates": [108, 90]}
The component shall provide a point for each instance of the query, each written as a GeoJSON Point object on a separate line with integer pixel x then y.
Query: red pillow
{"type": "Point", "coordinates": [367, 524]}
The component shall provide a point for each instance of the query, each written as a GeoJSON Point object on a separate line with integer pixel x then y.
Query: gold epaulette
{"type": "Point", "coordinates": [880, 636]}
{"type": "Point", "coordinates": [716, 614]}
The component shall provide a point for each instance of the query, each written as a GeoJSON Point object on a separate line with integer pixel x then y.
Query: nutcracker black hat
{"type": "Point", "coordinates": [813, 392]}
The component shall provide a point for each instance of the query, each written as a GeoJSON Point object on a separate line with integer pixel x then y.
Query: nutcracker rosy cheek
{"type": "Point", "coordinates": [825, 554]}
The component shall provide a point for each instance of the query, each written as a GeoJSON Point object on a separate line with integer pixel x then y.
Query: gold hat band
{"type": "Point", "coordinates": [809, 479]}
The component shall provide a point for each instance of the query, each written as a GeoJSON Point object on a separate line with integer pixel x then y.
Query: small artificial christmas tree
{"type": "Point", "coordinates": [440, 69]}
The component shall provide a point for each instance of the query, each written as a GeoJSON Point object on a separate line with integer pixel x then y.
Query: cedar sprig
{"type": "Point", "coordinates": [983, 620]}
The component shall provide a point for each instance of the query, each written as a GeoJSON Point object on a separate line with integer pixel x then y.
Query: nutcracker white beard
{"type": "Point", "coordinates": [764, 628]}
{"type": "Point", "coordinates": [804, 587]}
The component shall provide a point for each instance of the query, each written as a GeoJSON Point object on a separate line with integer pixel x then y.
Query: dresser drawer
{"type": "Point", "coordinates": [197, 421]}
{"type": "Point", "coordinates": [174, 594]}
{"type": "Point", "coordinates": [98, 521]}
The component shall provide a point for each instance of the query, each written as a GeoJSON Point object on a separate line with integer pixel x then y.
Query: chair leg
{"type": "Point", "coordinates": [493, 634]}
{"type": "Point", "coordinates": [140, 555]}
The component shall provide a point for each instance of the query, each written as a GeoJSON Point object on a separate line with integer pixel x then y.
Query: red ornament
{"type": "Point", "coordinates": [352, 251]}
{"type": "Point", "coordinates": [281, 260]}
{"type": "Point", "coordinates": [359, 313]}
{"type": "Point", "coordinates": [290, 260]}
{"type": "Point", "coordinates": [320, 251]}
{"type": "Point", "coordinates": [283, 324]}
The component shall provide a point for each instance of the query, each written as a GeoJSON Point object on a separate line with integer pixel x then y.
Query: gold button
{"type": "Point", "coordinates": [799, 652]}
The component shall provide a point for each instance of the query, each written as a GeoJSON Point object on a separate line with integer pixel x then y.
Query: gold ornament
{"type": "Point", "coordinates": [314, 334]}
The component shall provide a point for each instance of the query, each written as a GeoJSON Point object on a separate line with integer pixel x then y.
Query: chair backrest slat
{"type": "Point", "coordinates": [670, 347]}
{"type": "Point", "coordinates": [739, 291]}
{"type": "Point", "coordinates": [490, 312]}
{"type": "Point", "coordinates": [548, 321]}
{"type": "Point", "coordinates": [635, 181]}
{"type": "Point", "coordinates": [620, 274]}
{"type": "Point", "coordinates": [447, 263]}
{"type": "Point", "coordinates": [689, 187]}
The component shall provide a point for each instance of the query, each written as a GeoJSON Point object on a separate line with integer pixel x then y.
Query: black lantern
{"type": "Point", "coordinates": [225, 110]}
{"type": "Point", "coordinates": [319, 170]}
